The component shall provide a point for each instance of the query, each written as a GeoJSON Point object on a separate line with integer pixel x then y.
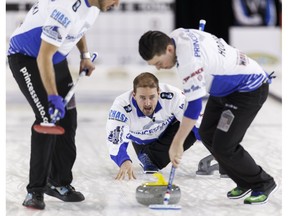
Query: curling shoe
{"type": "Point", "coordinates": [260, 197]}
{"type": "Point", "coordinates": [237, 193]}
{"type": "Point", "coordinates": [148, 166]}
{"type": "Point", "coordinates": [34, 200]}
{"type": "Point", "coordinates": [64, 193]}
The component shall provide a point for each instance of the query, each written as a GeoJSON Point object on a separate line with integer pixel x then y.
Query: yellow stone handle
{"type": "Point", "coordinates": [160, 180]}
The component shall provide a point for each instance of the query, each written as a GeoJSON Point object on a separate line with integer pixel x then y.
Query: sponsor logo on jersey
{"type": "Point", "coordinates": [195, 43]}
{"type": "Point", "coordinates": [200, 77]}
{"type": "Point", "coordinates": [118, 116]}
{"type": "Point", "coordinates": [220, 45]}
{"type": "Point", "coordinates": [52, 32]}
{"type": "Point", "coordinates": [192, 89]}
{"type": "Point", "coordinates": [35, 8]}
{"type": "Point", "coordinates": [153, 122]}
{"type": "Point", "coordinates": [197, 72]}
{"type": "Point", "coordinates": [115, 135]}
{"type": "Point", "coordinates": [73, 38]}
{"type": "Point", "coordinates": [166, 95]}
{"type": "Point", "coordinates": [159, 126]}
{"type": "Point", "coordinates": [76, 5]}
{"type": "Point", "coordinates": [60, 18]}
{"type": "Point", "coordinates": [242, 59]}
{"type": "Point", "coordinates": [128, 108]}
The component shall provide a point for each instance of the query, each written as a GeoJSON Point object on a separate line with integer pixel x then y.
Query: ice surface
{"type": "Point", "coordinates": [94, 171]}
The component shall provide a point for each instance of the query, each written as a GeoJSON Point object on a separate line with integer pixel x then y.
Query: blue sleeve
{"type": "Point", "coordinates": [121, 156]}
{"type": "Point", "coordinates": [193, 109]}
{"type": "Point", "coordinates": [196, 133]}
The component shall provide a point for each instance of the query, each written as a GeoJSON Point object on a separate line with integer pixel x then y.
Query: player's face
{"type": "Point", "coordinates": [147, 99]}
{"type": "Point", "coordinates": [105, 5]}
{"type": "Point", "coordinates": [166, 60]}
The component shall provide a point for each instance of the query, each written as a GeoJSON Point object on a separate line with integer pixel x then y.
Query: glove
{"type": "Point", "coordinates": [56, 102]}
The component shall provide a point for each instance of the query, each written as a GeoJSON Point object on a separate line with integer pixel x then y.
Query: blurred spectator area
{"type": "Point", "coordinates": [115, 34]}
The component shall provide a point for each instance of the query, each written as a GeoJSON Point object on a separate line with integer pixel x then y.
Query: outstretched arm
{"type": "Point", "coordinates": [189, 120]}
{"type": "Point", "coordinates": [176, 148]}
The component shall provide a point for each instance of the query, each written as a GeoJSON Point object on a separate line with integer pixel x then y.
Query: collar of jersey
{"type": "Point", "coordinates": [173, 42]}
{"type": "Point", "coordinates": [177, 63]}
{"type": "Point", "coordinates": [87, 3]}
{"type": "Point", "coordinates": [140, 113]}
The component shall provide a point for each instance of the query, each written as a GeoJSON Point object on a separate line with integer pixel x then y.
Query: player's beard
{"type": "Point", "coordinates": [148, 111]}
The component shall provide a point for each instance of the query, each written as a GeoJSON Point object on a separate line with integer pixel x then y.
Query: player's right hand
{"type": "Point", "coordinates": [125, 169]}
{"type": "Point", "coordinates": [87, 65]}
{"type": "Point", "coordinates": [56, 102]}
{"type": "Point", "coordinates": [175, 153]}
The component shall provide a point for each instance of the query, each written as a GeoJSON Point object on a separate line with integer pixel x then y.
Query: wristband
{"type": "Point", "coordinates": [85, 55]}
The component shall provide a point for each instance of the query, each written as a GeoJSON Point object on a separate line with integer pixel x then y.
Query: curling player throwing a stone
{"type": "Point", "coordinates": [148, 116]}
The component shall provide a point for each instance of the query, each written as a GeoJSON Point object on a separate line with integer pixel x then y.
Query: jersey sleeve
{"type": "Point", "coordinates": [117, 131]}
{"type": "Point", "coordinates": [191, 74]}
{"type": "Point", "coordinates": [193, 109]}
{"type": "Point", "coordinates": [57, 25]}
{"type": "Point", "coordinates": [179, 105]}
{"type": "Point", "coordinates": [190, 64]}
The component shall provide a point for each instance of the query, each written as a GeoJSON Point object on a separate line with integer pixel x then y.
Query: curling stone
{"type": "Point", "coordinates": [153, 192]}
{"type": "Point", "coordinates": [205, 167]}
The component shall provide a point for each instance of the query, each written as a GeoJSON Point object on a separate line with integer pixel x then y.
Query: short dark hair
{"type": "Point", "coordinates": [144, 80]}
{"type": "Point", "coordinates": [153, 43]}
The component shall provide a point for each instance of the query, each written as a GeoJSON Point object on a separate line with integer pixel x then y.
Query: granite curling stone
{"type": "Point", "coordinates": [153, 192]}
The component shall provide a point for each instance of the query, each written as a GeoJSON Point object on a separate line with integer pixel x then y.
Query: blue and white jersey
{"type": "Point", "coordinates": [60, 23]}
{"type": "Point", "coordinates": [126, 122]}
{"type": "Point", "coordinates": [208, 65]}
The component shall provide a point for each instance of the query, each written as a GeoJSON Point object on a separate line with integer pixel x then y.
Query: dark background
{"type": "Point", "coordinates": [217, 13]}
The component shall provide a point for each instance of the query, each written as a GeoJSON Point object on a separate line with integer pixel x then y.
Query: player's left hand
{"type": "Point", "coordinates": [56, 102]}
{"type": "Point", "coordinates": [86, 64]}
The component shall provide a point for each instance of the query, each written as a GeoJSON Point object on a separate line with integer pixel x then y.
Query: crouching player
{"type": "Point", "coordinates": [148, 116]}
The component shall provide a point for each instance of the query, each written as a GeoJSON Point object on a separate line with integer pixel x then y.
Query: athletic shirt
{"type": "Point", "coordinates": [126, 122]}
{"type": "Point", "coordinates": [207, 64]}
{"type": "Point", "coordinates": [60, 23]}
